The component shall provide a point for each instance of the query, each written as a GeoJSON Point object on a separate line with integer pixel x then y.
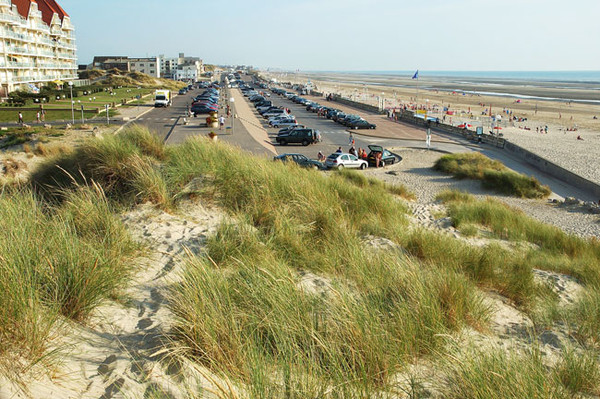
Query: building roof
{"type": "Point", "coordinates": [47, 7]}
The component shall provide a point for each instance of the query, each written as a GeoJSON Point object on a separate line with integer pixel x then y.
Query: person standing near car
{"type": "Point", "coordinates": [320, 157]}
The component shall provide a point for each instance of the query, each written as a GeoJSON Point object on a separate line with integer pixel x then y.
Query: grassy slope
{"type": "Point", "coordinates": [382, 308]}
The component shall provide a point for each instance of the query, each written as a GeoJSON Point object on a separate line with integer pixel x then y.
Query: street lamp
{"type": "Point", "coordinates": [72, 107]}
{"type": "Point", "coordinates": [232, 102]}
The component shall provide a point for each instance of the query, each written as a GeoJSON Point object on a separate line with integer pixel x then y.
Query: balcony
{"type": "Point", "coordinates": [18, 50]}
{"type": "Point", "coordinates": [43, 78]}
{"type": "Point", "coordinates": [54, 65]}
{"type": "Point", "coordinates": [17, 36]}
{"type": "Point", "coordinates": [11, 19]}
{"type": "Point", "coordinates": [41, 27]}
{"type": "Point", "coordinates": [17, 65]}
{"type": "Point", "coordinates": [67, 56]}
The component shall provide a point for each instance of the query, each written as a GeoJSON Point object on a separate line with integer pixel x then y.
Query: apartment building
{"type": "Point", "coordinates": [168, 66]}
{"type": "Point", "coordinates": [149, 66]}
{"type": "Point", "coordinates": [38, 45]}
{"type": "Point", "coordinates": [181, 67]}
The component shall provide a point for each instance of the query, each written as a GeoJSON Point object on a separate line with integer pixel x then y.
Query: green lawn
{"type": "Point", "coordinates": [29, 117]}
{"type": "Point", "coordinates": [101, 98]}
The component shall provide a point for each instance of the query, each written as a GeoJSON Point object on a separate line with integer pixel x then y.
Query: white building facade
{"type": "Point", "coordinates": [149, 66]}
{"type": "Point", "coordinates": [37, 45]}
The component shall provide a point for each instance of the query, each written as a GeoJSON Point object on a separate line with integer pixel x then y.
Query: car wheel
{"type": "Point", "coordinates": [363, 166]}
{"type": "Point", "coordinates": [382, 164]}
{"type": "Point", "coordinates": [305, 142]}
{"type": "Point", "coordinates": [315, 167]}
{"type": "Point", "coordinates": [340, 167]}
{"type": "Point", "coordinates": [372, 127]}
{"type": "Point", "coordinates": [283, 142]}
{"type": "Point", "coordinates": [355, 127]}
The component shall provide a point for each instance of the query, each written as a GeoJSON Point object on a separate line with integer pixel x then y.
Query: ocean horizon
{"type": "Point", "coordinates": [549, 76]}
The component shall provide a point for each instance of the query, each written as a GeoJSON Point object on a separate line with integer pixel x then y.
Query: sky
{"type": "Point", "coordinates": [347, 35]}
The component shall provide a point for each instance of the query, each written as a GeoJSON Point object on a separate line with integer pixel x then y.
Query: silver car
{"type": "Point", "coordinates": [342, 160]}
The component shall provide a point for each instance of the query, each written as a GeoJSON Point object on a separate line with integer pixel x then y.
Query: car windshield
{"type": "Point", "coordinates": [161, 97]}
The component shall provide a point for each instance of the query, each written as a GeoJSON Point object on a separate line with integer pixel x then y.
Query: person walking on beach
{"type": "Point", "coordinates": [43, 112]}
{"type": "Point", "coordinates": [20, 116]}
{"type": "Point", "coordinates": [37, 117]}
{"type": "Point", "coordinates": [351, 139]}
{"type": "Point", "coordinates": [221, 122]}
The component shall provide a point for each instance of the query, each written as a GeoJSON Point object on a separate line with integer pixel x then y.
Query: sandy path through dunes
{"type": "Point", "coordinates": [121, 353]}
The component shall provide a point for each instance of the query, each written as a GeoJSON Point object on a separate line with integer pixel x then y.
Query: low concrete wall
{"type": "Point", "coordinates": [553, 169]}
{"type": "Point", "coordinates": [354, 104]}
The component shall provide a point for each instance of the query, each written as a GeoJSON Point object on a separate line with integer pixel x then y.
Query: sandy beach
{"type": "Point", "coordinates": [566, 120]}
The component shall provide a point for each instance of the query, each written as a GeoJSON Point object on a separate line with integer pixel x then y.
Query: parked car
{"type": "Point", "coordinates": [199, 109]}
{"type": "Point", "coordinates": [182, 91]}
{"type": "Point", "coordinates": [341, 160]}
{"type": "Point", "coordinates": [387, 158]}
{"type": "Point", "coordinates": [298, 136]}
{"type": "Point", "coordinates": [301, 160]}
{"type": "Point", "coordinates": [278, 118]}
{"type": "Point", "coordinates": [274, 112]}
{"type": "Point", "coordinates": [288, 129]}
{"type": "Point", "coordinates": [285, 122]}
{"type": "Point", "coordinates": [360, 124]}
{"type": "Point", "coordinates": [349, 119]}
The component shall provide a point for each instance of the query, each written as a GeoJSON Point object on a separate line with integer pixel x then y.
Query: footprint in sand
{"type": "Point", "coordinates": [113, 389]}
{"type": "Point", "coordinates": [104, 368]}
{"type": "Point", "coordinates": [144, 323]}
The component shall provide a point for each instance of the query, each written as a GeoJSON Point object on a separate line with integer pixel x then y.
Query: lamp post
{"type": "Point", "coordinates": [233, 115]}
{"type": "Point", "coordinates": [72, 106]}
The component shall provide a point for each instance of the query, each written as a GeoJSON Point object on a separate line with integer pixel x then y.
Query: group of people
{"type": "Point", "coordinates": [361, 153]}
{"type": "Point", "coordinates": [39, 117]}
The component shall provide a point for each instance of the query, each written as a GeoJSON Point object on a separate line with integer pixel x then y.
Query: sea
{"type": "Point", "coordinates": [575, 86]}
{"type": "Point", "coordinates": [544, 76]}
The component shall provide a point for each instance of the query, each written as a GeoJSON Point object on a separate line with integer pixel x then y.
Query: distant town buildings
{"type": "Point", "coordinates": [182, 67]}
{"type": "Point", "coordinates": [147, 65]}
{"type": "Point", "coordinates": [38, 45]}
{"type": "Point", "coordinates": [178, 68]}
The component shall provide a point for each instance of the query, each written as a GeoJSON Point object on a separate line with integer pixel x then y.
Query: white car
{"type": "Point", "coordinates": [279, 118]}
{"type": "Point", "coordinates": [274, 112]}
{"type": "Point", "coordinates": [340, 160]}
{"type": "Point", "coordinates": [285, 122]}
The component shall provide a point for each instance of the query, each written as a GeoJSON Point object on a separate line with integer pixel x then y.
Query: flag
{"type": "Point", "coordinates": [416, 75]}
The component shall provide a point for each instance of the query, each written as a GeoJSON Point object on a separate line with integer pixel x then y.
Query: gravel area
{"type": "Point", "coordinates": [416, 173]}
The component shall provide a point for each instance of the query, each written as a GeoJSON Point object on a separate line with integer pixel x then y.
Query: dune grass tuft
{"type": "Point", "coordinates": [55, 263]}
{"type": "Point", "coordinates": [556, 250]}
{"type": "Point", "coordinates": [493, 175]}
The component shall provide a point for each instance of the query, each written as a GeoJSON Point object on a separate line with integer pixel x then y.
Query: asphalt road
{"type": "Point", "coordinates": [163, 120]}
